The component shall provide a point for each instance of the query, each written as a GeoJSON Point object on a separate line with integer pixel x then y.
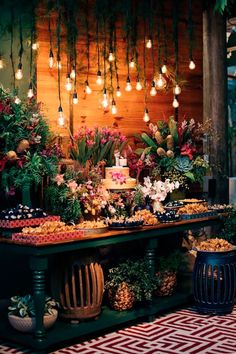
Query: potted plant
{"type": "Point", "coordinates": [168, 267]}
{"type": "Point", "coordinates": [129, 282]}
{"type": "Point", "coordinates": [21, 313]}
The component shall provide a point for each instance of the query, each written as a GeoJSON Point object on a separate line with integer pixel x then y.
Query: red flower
{"type": "Point", "coordinates": [3, 163]}
{"type": "Point", "coordinates": [187, 150]}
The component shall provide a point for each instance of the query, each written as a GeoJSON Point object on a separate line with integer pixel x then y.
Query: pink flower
{"type": "Point", "coordinates": [118, 177]}
{"type": "Point", "coordinates": [72, 185]}
{"type": "Point", "coordinates": [59, 179]}
{"type": "Point", "coordinates": [122, 138]}
{"type": "Point", "coordinates": [103, 141]}
{"type": "Point", "coordinates": [187, 150]}
{"type": "Point", "coordinates": [90, 142]}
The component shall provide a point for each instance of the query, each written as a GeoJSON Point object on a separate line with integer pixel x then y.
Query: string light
{"type": "Point", "coordinates": [51, 59]}
{"type": "Point", "coordinates": [19, 73]}
{"type": "Point", "coordinates": [105, 100]}
{"type": "Point", "coordinates": [75, 98]}
{"type": "Point", "coordinates": [113, 107]}
{"type": "Point", "coordinates": [30, 92]}
{"type": "Point", "coordinates": [138, 84]}
{"type": "Point", "coordinates": [73, 73]}
{"type": "Point", "coordinates": [146, 118]}
{"type": "Point", "coordinates": [118, 92]}
{"type": "Point", "coordinates": [192, 65]}
{"type": "Point", "coordinates": [59, 66]}
{"type": "Point", "coordinates": [87, 88]}
{"type": "Point", "coordinates": [177, 90]}
{"type": "Point", "coordinates": [111, 56]}
{"type": "Point", "coordinates": [17, 100]}
{"type": "Point", "coordinates": [1, 63]}
{"type": "Point", "coordinates": [35, 46]}
{"type": "Point", "coordinates": [161, 82]}
{"type": "Point", "coordinates": [149, 43]}
{"type": "Point", "coordinates": [132, 64]}
{"type": "Point", "coordinates": [153, 91]}
{"type": "Point", "coordinates": [128, 86]}
{"type": "Point", "coordinates": [99, 80]}
{"type": "Point", "coordinates": [61, 119]}
{"type": "Point", "coordinates": [68, 84]}
{"type": "Point", "coordinates": [164, 69]}
{"type": "Point", "coordinates": [175, 102]}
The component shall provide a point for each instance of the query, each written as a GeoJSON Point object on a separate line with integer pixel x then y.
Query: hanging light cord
{"type": "Point", "coordinates": [175, 38]}
{"type": "Point", "coordinates": [88, 40]}
{"type": "Point", "coordinates": [11, 50]}
{"type": "Point", "coordinates": [97, 44]}
{"type": "Point", "coordinates": [21, 40]}
{"type": "Point", "coordinates": [59, 53]}
{"type": "Point", "coordinates": [115, 62]}
{"type": "Point", "coordinates": [50, 32]}
{"type": "Point", "coordinates": [144, 65]}
{"type": "Point", "coordinates": [190, 29]}
{"type": "Point", "coordinates": [104, 54]}
{"type": "Point", "coordinates": [162, 17]}
{"type": "Point", "coordinates": [111, 80]}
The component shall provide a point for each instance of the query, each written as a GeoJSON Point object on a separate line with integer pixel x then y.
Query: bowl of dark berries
{"type": "Point", "coordinates": [174, 205]}
{"type": "Point", "coordinates": [168, 216]}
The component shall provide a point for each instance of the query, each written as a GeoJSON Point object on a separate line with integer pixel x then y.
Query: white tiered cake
{"type": "Point", "coordinates": [117, 177]}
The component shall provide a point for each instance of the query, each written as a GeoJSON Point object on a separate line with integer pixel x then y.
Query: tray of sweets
{"type": "Point", "coordinates": [37, 239]}
{"type": "Point", "coordinates": [15, 224]}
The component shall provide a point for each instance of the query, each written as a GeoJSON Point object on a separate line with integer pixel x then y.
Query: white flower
{"type": "Point", "coordinates": [158, 190]}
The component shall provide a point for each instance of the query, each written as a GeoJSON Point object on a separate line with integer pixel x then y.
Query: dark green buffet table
{"type": "Point", "coordinates": [38, 262]}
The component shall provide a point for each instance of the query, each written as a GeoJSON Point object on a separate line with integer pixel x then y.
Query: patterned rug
{"type": "Point", "coordinates": [181, 332]}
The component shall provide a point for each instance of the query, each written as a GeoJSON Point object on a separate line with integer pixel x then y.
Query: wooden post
{"type": "Point", "coordinates": [215, 95]}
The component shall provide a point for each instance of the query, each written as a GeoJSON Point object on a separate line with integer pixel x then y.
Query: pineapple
{"type": "Point", "coordinates": [121, 298]}
{"type": "Point", "coordinates": [168, 282]}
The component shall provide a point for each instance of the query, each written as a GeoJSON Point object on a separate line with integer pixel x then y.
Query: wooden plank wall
{"type": "Point", "coordinates": [129, 118]}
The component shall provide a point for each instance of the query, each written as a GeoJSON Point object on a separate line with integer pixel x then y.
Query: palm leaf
{"type": "Point", "coordinates": [148, 141]}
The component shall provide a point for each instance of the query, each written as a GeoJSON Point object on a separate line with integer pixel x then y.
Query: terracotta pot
{"type": "Point", "coordinates": [27, 324]}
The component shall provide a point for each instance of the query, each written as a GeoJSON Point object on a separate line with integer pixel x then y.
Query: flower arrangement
{"type": "Point", "coordinates": [158, 190]}
{"type": "Point", "coordinates": [176, 149]}
{"type": "Point", "coordinates": [97, 144]}
{"type": "Point", "coordinates": [119, 204]}
{"type": "Point", "coordinates": [25, 152]}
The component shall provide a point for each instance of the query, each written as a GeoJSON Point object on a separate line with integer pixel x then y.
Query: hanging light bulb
{"type": "Point", "coordinates": [132, 63]}
{"type": "Point", "coordinates": [175, 103]}
{"type": "Point", "coordinates": [51, 61]}
{"type": "Point", "coordinates": [1, 63]}
{"type": "Point", "coordinates": [138, 84]}
{"type": "Point", "coordinates": [35, 46]}
{"type": "Point", "coordinates": [128, 86]}
{"type": "Point", "coordinates": [146, 118]}
{"type": "Point", "coordinates": [192, 65]}
{"type": "Point", "coordinates": [99, 80]}
{"type": "Point", "coordinates": [105, 100]}
{"type": "Point", "coordinates": [30, 92]}
{"type": "Point", "coordinates": [19, 73]}
{"type": "Point", "coordinates": [149, 43]}
{"type": "Point", "coordinates": [68, 84]}
{"type": "Point", "coordinates": [73, 73]}
{"type": "Point", "coordinates": [113, 107]}
{"type": "Point", "coordinates": [153, 90]}
{"type": "Point", "coordinates": [118, 92]}
{"type": "Point", "coordinates": [17, 100]}
{"type": "Point", "coordinates": [164, 69]}
{"type": "Point", "coordinates": [59, 66]}
{"type": "Point", "coordinates": [75, 98]}
{"type": "Point", "coordinates": [87, 88]}
{"type": "Point", "coordinates": [61, 119]}
{"type": "Point", "coordinates": [161, 82]}
{"type": "Point", "coordinates": [111, 56]}
{"type": "Point", "coordinates": [177, 90]}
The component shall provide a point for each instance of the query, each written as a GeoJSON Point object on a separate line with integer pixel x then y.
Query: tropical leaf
{"type": "Point", "coordinates": [148, 141]}
{"type": "Point", "coordinates": [190, 175]}
{"type": "Point", "coordinates": [172, 124]}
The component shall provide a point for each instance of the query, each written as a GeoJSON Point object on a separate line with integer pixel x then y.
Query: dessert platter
{"type": "Point", "coordinates": [148, 218]}
{"type": "Point", "coordinates": [168, 216]}
{"type": "Point", "coordinates": [92, 227]}
{"type": "Point", "coordinates": [120, 223]}
{"type": "Point", "coordinates": [195, 210]}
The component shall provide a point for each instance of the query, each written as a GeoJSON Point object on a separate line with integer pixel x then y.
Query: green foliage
{"type": "Point", "coordinates": [183, 164]}
{"type": "Point", "coordinates": [229, 228]}
{"type": "Point", "coordinates": [23, 306]}
{"type": "Point", "coordinates": [137, 274]}
{"type": "Point", "coordinates": [138, 197]}
{"type": "Point", "coordinates": [172, 262]}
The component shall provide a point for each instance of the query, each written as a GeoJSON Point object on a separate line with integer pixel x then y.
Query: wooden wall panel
{"type": "Point", "coordinates": [131, 105]}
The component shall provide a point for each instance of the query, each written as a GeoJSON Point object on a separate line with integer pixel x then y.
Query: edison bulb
{"type": "Point", "coordinates": [59, 66]}
{"type": "Point", "coordinates": [35, 46]}
{"type": "Point", "coordinates": [175, 103]}
{"type": "Point", "coordinates": [87, 88]}
{"type": "Point", "coordinates": [30, 92]}
{"type": "Point", "coordinates": [99, 80]}
{"type": "Point", "coordinates": [19, 73]}
{"type": "Point", "coordinates": [1, 64]}
{"type": "Point", "coordinates": [105, 100]}
{"type": "Point", "coordinates": [138, 85]}
{"type": "Point", "coordinates": [75, 98]}
{"type": "Point", "coordinates": [61, 119]}
{"type": "Point", "coordinates": [149, 43]}
{"type": "Point", "coordinates": [146, 118]}
{"type": "Point", "coordinates": [17, 100]}
{"type": "Point", "coordinates": [68, 84]}
{"type": "Point", "coordinates": [73, 73]}
{"type": "Point", "coordinates": [51, 61]}
{"type": "Point", "coordinates": [132, 64]}
{"type": "Point", "coordinates": [128, 86]}
{"type": "Point", "coordinates": [111, 56]}
{"type": "Point", "coordinates": [192, 65]}
{"type": "Point", "coordinates": [177, 90]}
{"type": "Point", "coordinates": [161, 82]}
{"type": "Point", "coordinates": [113, 107]}
{"type": "Point", "coordinates": [118, 92]}
{"type": "Point", "coordinates": [164, 69]}
{"type": "Point", "coordinates": [153, 91]}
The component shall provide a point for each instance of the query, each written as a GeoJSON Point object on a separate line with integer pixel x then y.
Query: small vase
{"type": "Point", "coordinates": [148, 205]}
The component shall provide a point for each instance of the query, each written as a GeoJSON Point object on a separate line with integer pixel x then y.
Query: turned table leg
{"type": "Point", "coordinates": [38, 266]}
{"type": "Point", "coordinates": [150, 254]}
